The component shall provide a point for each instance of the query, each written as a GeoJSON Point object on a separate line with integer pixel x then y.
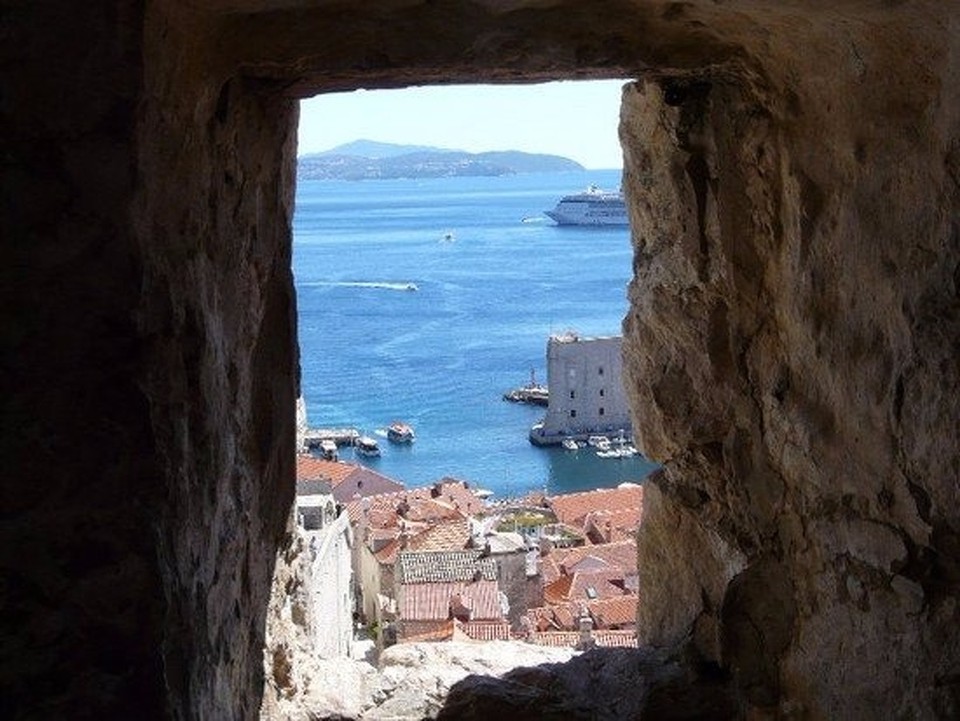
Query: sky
{"type": "Point", "coordinates": [575, 119]}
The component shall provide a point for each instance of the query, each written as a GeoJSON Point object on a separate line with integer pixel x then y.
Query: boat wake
{"type": "Point", "coordinates": [377, 285]}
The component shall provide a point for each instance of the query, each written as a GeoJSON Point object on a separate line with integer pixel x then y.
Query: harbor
{"type": "Point", "coordinates": [313, 438]}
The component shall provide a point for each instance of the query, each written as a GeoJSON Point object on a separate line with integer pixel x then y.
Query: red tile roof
{"type": "Point", "coordinates": [585, 586]}
{"type": "Point", "coordinates": [347, 480]}
{"type": "Point", "coordinates": [432, 601]}
{"type": "Point", "coordinates": [621, 554]}
{"type": "Point", "coordinates": [570, 639]}
{"type": "Point", "coordinates": [557, 639]}
{"type": "Point", "coordinates": [554, 618]}
{"type": "Point", "coordinates": [481, 631]}
{"type": "Point", "coordinates": [622, 506]}
{"type": "Point", "coordinates": [612, 612]}
{"type": "Point", "coordinates": [559, 591]}
{"type": "Point", "coordinates": [362, 482]}
{"type": "Point", "coordinates": [619, 612]}
{"type": "Point", "coordinates": [430, 503]}
{"type": "Point", "coordinates": [418, 631]}
{"type": "Point", "coordinates": [311, 468]}
{"type": "Point", "coordinates": [451, 535]}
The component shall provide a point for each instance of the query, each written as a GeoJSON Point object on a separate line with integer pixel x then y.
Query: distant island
{"type": "Point", "coordinates": [370, 160]}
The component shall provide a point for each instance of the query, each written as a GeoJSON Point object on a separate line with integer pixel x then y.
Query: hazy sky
{"type": "Point", "coordinates": [575, 119]}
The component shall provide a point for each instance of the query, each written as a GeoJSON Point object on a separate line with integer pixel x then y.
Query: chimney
{"type": "Point", "coordinates": [586, 630]}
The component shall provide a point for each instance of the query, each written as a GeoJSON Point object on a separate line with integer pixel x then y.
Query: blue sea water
{"type": "Point", "coordinates": [493, 277]}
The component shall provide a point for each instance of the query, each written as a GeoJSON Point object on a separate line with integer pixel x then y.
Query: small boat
{"type": "Point", "coordinates": [328, 450]}
{"type": "Point", "coordinates": [620, 448]}
{"type": "Point", "coordinates": [570, 444]}
{"type": "Point", "coordinates": [601, 443]}
{"type": "Point", "coordinates": [411, 287]}
{"type": "Point", "coordinates": [532, 393]}
{"type": "Point", "coordinates": [367, 446]}
{"type": "Point", "coordinates": [399, 432]}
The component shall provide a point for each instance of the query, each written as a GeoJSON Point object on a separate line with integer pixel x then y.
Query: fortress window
{"type": "Point", "coordinates": [573, 394]}
{"type": "Point", "coordinates": [600, 371]}
{"type": "Point", "coordinates": [601, 410]}
{"type": "Point", "coordinates": [573, 413]}
{"type": "Point", "coordinates": [601, 392]}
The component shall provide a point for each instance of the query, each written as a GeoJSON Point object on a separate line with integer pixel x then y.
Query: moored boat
{"type": "Point", "coordinates": [367, 446]}
{"type": "Point", "coordinates": [328, 449]}
{"type": "Point", "coordinates": [399, 432]}
{"type": "Point", "coordinates": [532, 393]}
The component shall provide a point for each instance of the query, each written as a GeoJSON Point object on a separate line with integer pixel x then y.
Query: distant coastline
{"type": "Point", "coordinates": [370, 160]}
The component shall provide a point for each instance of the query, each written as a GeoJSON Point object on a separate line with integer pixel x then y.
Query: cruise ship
{"type": "Point", "coordinates": [591, 207]}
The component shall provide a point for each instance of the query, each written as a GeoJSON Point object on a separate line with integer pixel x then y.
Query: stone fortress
{"type": "Point", "coordinates": [792, 173]}
{"type": "Point", "coordinates": [584, 376]}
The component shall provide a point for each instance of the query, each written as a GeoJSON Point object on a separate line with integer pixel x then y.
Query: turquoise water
{"type": "Point", "coordinates": [493, 278]}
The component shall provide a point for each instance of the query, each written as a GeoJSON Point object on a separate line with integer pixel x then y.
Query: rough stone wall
{"type": "Point", "coordinates": [792, 351]}
{"type": "Point", "coordinates": [149, 364]}
{"type": "Point", "coordinates": [79, 592]}
{"type": "Point", "coordinates": [793, 169]}
{"type": "Point", "coordinates": [217, 310]}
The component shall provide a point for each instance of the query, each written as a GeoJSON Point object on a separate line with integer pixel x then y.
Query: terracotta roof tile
{"type": "Point", "coordinates": [311, 468]}
{"type": "Point", "coordinates": [482, 630]}
{"type": "Point", "coordinates": [347, 480]}
{"type": "Point", "coordinates": [363, 481]}
{"type": "Point", "coordinates": [433, 601]}
{"type": "Point", "coordinates": [558, 618]}
{"type": "Point", "coordinates": [451, 535]}
{"type": "Point", "coordinates": [612, 612]}
{"type": "Point", "coordinates": [556, 639]}
{"type": "Point", "coordinates": [620, 502]}
{"type": "Point", "coordinates": [388, 554]}
{"type": "Point", "coordinates": [571, 639]}
{"type": "Point", "coordinates": [558, 591]}
{"type": "Point", "coordinates": [585, 586]}
{"type": "Point", "coordinates": [419, 631]}
{"type": "Point", "coordinates": [429, 503]}
{"type": "Point", "coordinates": [621, 554]}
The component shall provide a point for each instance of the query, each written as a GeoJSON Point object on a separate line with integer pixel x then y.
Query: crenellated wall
{"type": "Point", "coordinates": [793, 171]}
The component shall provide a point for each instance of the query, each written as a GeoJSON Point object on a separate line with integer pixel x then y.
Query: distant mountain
{"type": "Point", "coordinates": [375, 149]}
{"type": "Point", "coordinates": [367, 160]}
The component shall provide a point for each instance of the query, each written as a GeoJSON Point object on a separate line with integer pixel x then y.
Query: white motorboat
{"type": "Point", "coordinates": [367, 446]}
{"type": "Point", "coordinates": [328, 450]}
{"type": "Point", "coordinates": [399, 432]}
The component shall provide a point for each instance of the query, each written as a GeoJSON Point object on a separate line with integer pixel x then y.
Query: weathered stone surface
{"type": "Point", "coordinates": [795, 305]}
{"type": "Point", "coordinates": [793, 171]}
{"type": "Point", "coordinates": [599, 685]}
{"type": "Point", "coordinates": [411, 681]}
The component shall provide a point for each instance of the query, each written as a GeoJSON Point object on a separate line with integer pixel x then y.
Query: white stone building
{"type": "Point", "coordinates": [327, 574]}
{"type": "Point", "coordinates": [584, 376]}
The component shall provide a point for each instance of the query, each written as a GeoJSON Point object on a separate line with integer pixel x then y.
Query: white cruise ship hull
{"type": "Point", "coordinates": [592, 207]}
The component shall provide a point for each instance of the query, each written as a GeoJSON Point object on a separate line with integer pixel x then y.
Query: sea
{"type": "Point", "coordinates": [425, 300]}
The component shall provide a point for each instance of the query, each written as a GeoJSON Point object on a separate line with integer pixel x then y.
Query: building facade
{"type": "Point", "coordinates": [584, 376]}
